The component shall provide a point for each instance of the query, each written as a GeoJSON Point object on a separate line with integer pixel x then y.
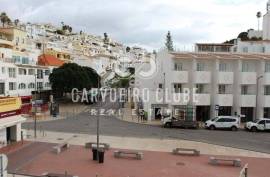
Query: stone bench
{"type": "Point", "coordinates": [184, 151]}
{"type": "Point", "coordinates": [218, 161]}
{"type": "Point", "coordinates": [57, 175]}
{"type": "Point", "coordinates": [90, 145]}
{"type": "Point", "coordinates": [61, 147]}
{"type": "Point", "coordinates": [136, 155]}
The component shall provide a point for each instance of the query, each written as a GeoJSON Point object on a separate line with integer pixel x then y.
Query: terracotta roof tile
{"type": "Point", "coordinates": [49, 60]}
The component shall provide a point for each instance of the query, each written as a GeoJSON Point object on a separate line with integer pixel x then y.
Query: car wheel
{"type": "Point", "coordinates": [234, 128]}
{"type": "Point", "coordinates": [168, 125]}
{"type": "Point", "coordinates": [212, 127]}
{"type": "Point", "coordinates": [253, 129]}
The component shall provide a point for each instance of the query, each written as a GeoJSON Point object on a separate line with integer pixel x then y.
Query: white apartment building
{"type": "Point", "coordinates": [226, 84]}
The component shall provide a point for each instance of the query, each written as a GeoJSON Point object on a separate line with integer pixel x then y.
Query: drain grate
{"type": "Point", "coordinates": [60, 139]}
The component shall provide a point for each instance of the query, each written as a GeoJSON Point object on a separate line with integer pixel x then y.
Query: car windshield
{"type": "Point", "coordinates": [214, 119]}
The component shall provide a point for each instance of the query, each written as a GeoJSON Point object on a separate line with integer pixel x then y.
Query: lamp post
{"type": "Point", "coordinates": [36, 90]}
{"type": "Point", "coordinates": [98, 127]}
{"type": "Point", "coordinates": [257, 92]}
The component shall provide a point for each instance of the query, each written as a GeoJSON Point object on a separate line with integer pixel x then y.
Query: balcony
{"type": "Point", "coordinates": [6, 42]}
{"type": "Point", "coordinates": [266, 101]}
{"type": "Point", "coordinates": [202, 100]}
{"type": "Point", "coordinates": [247, 78]}
{"type": "Point", "coordinates": [224, 100]}
{"type": "Point", "coordinates": [247, 100]}
{"type": "Point", "coordinates": [266, 79]}
{"type": "Point", "coordinates": [225, 78]}
{"type": "Point", "coordinates": [178, 99]}
{"type": "Point", "coordinates": [202, 77]}
{"type": "Point", "coordinates": [178, 77]}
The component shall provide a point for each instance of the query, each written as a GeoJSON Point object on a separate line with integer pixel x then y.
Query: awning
{"type": "Point", "coordinates": [11, 121]}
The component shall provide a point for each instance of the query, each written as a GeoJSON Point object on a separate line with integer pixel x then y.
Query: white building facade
{"type": "Point", "coordinates": [226, 84]}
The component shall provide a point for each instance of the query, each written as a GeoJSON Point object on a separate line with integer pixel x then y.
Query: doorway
{"type": "Point", "coordinates": [158, 113]}
{"type": "Point", "coordinates": [8, 134]}
{"type": "Point", "coordinates": [202, 113]}
{"type": "Point", "coordinates": [248, 112]}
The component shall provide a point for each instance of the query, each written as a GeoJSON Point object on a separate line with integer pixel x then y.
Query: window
{"type": "Point", "coordinates": [268, 121]}
{"type": "Point", "coordinates": [31, 85]}
{"type": "Point", "coordinates": [267, 66]}
{"type": "Point", "coordinates": [245, 50]}
{"type": "Point", "coordinates": [177, 88]}
{"type": "Point", "coordinates": [22, 86]}
{"type": "Point", "coordinates": [262, 122]}
{"type": "Point", "coordinates": [223, 67]}
{"type": "Point", "coordinates": [47, 72]}
{"type": "Point", "coordinates": [17, 59]}
{"type": "Point", "coordinates": [200, 88]}
{"type": "Point", "coordinates": [178, 66]}
{"type": "Point", "coordinates": [267, 90]}
{"type": "Point", "coordinates": [263, 49]}
{"type": "Point", "coordinates": [47, 84]}
{"type": "Point", "coordinates": [31, 72]}
{"type": "Point", "coordinates": [3, 70]}
{"type": "Point", "coordinates": [221, 120]}
{"type": "Point", "coordinates": [12, 85]}
{"type": "Point", "coordinates": [40, 85]}
{"type": "Point", "coordinates": [200, 67]}
{"type": "Point", "coordinates": [160, 86]}
{"type": "Point", "coordinates": [2, 88]}
{"type": "Point", "coordinates": [12, 72]}
{"type": "Point", "coordinates": [247, 67]}
{"type": "Point", "coordinates": [25, 60]}
{"type": "Point", "coordinates": [222, 89]}
{"type": "Point", "coordinates": [244, 90]}
{"type": "Point", "coordinates": [39, 74]}
{"type": "Point", "coordinates": [22, 71]}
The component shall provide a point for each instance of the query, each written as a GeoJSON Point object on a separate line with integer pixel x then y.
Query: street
{"type": "Point", "coordinates": [111, 126]}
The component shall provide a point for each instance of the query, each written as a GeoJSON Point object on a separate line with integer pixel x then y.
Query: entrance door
{"type": "Point", "coordinates": [248, 112]}
{"type": "Point", "coordinates": [202, 113]}
{"type": "Point", "coordinates": [158, 113]}
{"type": "Point", "coordinates": [225, 111]}
{"type": "Point", "coordinates": [2, 88]}
{"type": "Point", "coordinates": [8, 135]}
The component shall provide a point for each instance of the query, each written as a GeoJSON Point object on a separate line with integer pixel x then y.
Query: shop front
{"type": "Point", "coordinates": [10, 120]}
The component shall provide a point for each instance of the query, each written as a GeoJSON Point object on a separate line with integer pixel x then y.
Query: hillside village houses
{"type": "Point", "coordinates": [29, 52]}
{"type": "Point", "coordinates": [231, 79]}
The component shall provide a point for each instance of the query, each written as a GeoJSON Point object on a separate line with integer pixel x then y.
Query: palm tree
{"type": "Point", "coordinates": [4, 18]}
{"type": "Point", "coordinates": [259, 15]}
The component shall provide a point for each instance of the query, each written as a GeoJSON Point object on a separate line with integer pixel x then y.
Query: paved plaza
{"type": "Point", "coordinates": [78, 161]}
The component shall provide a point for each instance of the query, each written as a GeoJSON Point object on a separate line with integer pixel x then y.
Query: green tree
{"type": "Point", "coordinates": [106, 38]}
{"type": "Point", "coordinates": [169, 42]}
{"type": "Point", "coordinates": [4, 19]}
{"type": "Point", "coordinates": [71, 75]}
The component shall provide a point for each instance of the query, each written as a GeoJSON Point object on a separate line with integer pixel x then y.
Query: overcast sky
{"type": "Point", "coordinates": [145, 22]}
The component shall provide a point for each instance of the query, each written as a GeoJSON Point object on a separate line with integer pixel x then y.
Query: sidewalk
{"type": "Point", "coordinates": [65, 110]}
{"type": "Point", "coordinates": [147, 144]}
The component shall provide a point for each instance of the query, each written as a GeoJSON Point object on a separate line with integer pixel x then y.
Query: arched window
{"type": "Point", "coordinates": [31, 85]}
{"type": "Point", "coordinates": [22, 86]}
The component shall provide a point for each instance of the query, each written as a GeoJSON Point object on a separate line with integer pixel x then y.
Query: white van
{"type": "Point", "coordinates": [223, 122]}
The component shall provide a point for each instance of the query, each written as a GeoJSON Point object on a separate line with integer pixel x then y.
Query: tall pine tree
{"type": "Point", "coordinates": [169, 42]}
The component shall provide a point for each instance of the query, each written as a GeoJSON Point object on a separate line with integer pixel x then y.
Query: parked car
{"type": "Point", "coordinates": [223, 122]}
{"type": "Point", "coordinates": [258, 125]}
{"type": "Point", "coordinates": [170, 121]}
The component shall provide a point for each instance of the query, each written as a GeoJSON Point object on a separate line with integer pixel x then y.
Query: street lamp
{"type": "Point", "coordinates": [36, 90]}
{"type": "Point", "coordinates": [257, 92]}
